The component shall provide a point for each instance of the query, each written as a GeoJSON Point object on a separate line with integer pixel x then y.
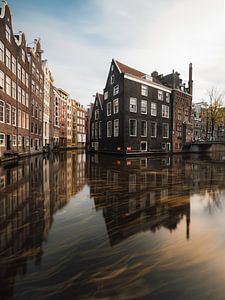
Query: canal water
{"type": "Point", "coordinates": [104, 227]}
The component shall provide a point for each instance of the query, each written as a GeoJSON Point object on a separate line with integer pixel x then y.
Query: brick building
{"type": "Point", "coordinates": [135, 114]}
{"type": "Point", "coordinates": [14, 88]}
{"type": "Point", "coordinates": [36, 97]}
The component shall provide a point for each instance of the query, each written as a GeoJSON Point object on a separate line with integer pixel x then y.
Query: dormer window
{"type": "Point", "coordinates": [112, 79]}
{"type": "Point", "coordinates": [7, 33]}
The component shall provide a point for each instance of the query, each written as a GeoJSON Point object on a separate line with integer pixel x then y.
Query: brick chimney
{"type": "Point", "coordinates": [190, 82]}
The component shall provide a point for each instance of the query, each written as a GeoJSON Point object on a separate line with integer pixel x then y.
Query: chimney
{"type": "Point", "coordinates": [190, 82]}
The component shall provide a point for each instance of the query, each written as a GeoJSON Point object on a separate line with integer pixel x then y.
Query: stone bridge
{"type": "Point", "coordinates": [205, 146]}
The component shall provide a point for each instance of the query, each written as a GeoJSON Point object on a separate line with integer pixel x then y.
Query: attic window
{"type": "Point", "coordinates": [112, 67]}
{"type": "Point", "coordinates": [112, 79]}
{"type": "Point", "coordinates": [7, 33]}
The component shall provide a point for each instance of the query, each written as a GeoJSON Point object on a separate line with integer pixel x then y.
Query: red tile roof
{"type": "Point", "coordinates": [129, 70]}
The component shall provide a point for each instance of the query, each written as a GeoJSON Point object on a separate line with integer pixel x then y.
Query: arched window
{"type": "Point", "coordinates": [2, 111]}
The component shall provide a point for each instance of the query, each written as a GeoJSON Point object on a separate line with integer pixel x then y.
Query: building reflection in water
{"type": "Point", "coordinates": [30, 194]}
{"type": "Point", "coordinates": [134, 195]}
{"type": "Point", "coordinates": [138, 194]}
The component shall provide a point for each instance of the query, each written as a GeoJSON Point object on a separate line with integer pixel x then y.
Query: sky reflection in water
{"type": "Point", "coordinates": [94, 227]}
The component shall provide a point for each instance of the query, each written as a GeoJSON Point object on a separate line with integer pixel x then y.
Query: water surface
{"type": "Point", "coordinates": [104, 227]}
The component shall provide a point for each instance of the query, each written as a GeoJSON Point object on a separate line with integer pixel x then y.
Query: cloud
{"type": "Point", "coordinates": [162, 35]}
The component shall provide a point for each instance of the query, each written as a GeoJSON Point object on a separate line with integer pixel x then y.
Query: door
{"type": "Point", "coordinates": [8, 143]}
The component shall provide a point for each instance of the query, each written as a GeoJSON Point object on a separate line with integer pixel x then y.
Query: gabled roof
{"type": "Point", "coordinates": [128, 70]}
{"type": "Point", "coordinates": [100, 98]}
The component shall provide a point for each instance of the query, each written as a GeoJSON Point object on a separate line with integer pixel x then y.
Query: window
{"type": "Point", "coordinates": [143, 146]}
{"type": "Point", "coordinates": [144, 128]}
{"type": "Point", "coordinates": [144, 90]}
{"type": "Point", "coordinates": [143, 106]}
{"type": "Point", "coordinates": [116, 90]}
{"type": "Point", "coordinates": [27, 100]}
{"type": "Point", "coordinates": [153, 129]}
{"type": "Point", "coordinates": [109, 129]}
{"type": "Point", "coordinates": [23, 125]}
{"type": "Point", "coordinates": [165, 111]}
{"type": "Point", "coordinates": [116, 106]}
{"type": "Point", "coordinates": [112, 79]}
{"type": "Point", "coordinates": [13, 65]}
{"type": "Point", "coordinates": [23, 97]}
{"type": "Point", "coordinates": [179, 131]}
{"type": "Point", "coordinates": [116, 128]}
{"type": "Point", "coordinates": [13, 89]}
{"type": "Point", "coordinates": [2, 81]}
{"type": "Point", "coordinates": [7, 33]}
{"type": "Point", "coordinates": [132, 127]}
{"type": "Point", "coordinates": [106, 95]}
{"type": "Point", "coordinates": [8, 85]}
{"type": "Point", "coordinates": [19, 118]}
{"type": "Point", "coordinates": [19, 71]}
{"type": "Point", "coordinates": [14, 141]}
{"type": "Point", "coordinates": [8, 59]}
{"type": "Point", "coordinates": [165, 130]}
{"type": "Point", "coordinates": [108, 109]}
{"type": "Point", "coordinates": [19, 94]}
{"type": "Point", "coordinates": [8, 114]}
{"type": "Point", "coordinates": [13, 117]}
{"type": "Point", "coordinates": [23, 76]}
{"type": "Point", "coordinates": [168, 97]}
{"type": "Point", "coordinates": [2, 51]}
{"type": "Point", "coordinates": [2, 111]}
{"type": "Point", "coordinates": [160, 95]}
{"type": "Point", "coordinates": [97, 114]}
{"type": "Point", "coordinates": [133, 105]}
{"type": "Point", "coordinates": [2, 140]}
{"type": "Point", "coordinates": [153, 109]}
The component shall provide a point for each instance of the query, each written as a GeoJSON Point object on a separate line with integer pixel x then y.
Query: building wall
{"type": "Point", "coordinates": [14, 91]}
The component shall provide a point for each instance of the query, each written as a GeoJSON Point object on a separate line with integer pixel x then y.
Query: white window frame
{"type": "Point", "coordinates": [135, 127]}
{"type": "Point", "coordinates": [109, 109]}
{"type": "Point", "coordinates": [146, 134]}
{"type": "Point", "coordinates": [97, 114]}
{"type": "Point", "coordinates": [146, 143]}
{"type": "Point", "coordinates": [133, 106]}
{"type": "Point", "coordinates": [160, 95]}
{"type": "Point", "coordinates": [116, 90]}
{"type": "Point", "coordinates": [8, 58]}
{"type": "Point", "coordinates": [165, 137]}
{"type": "Point", "coordinates": [116, 106]}
{"type": "Point", "coordinates": [153, 109]}
{"type": "Point", "coordinates": [13, 109]}
{"type": "Point", "coordinates": [3, 121]}
{"type": "Point", "coordinates": [2, 144]}
{"type": "Point", "coordinates": [165, 111]}
{"type": "Point", "coordinates": [146, 107]}
{"type": "Point", "coordinates": [167, 97]}
{"type": "Point", "coordinates": [2, 80]}
{"type": "Point", "coordinates": [8, 112]}
{"type": "Point", "coordinates": [112, 79]}
{"type": "Point", "coordinates": [155, 135]}
{"type": "Point", "coordinates": [109, 128]}
{"type": "Point", "coordinates": [144, 90]}
{"type": "Point", "coordinates": [116, 127]}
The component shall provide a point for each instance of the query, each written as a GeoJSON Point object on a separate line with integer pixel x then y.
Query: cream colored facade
{"type": "Point", "coordinates": [47, 109]}
{"type": "Point", "coordinates": [69, 123]}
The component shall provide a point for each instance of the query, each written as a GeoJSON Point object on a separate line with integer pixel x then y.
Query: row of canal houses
{"type": "Point", "coordinates": [141, 113]}
{"type": "Point", "coordinates": [34, 115]}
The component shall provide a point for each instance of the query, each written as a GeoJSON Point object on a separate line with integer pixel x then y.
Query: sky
{"type": "Point", "coordinates": [80, 38]}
